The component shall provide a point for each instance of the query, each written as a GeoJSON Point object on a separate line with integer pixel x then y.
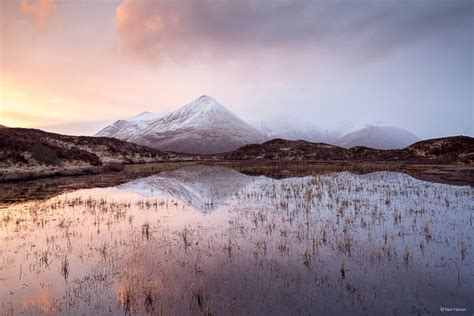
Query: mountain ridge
{"type": "Point", "coordinates": [123, 129]}
{"type": "Point", "coordinates": [204, 126]}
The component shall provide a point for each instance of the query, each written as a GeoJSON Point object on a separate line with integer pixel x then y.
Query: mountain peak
{"type": "Point", "coordinates": [204, 104]}
{"type": "Point", "coordinates": [205, 97]}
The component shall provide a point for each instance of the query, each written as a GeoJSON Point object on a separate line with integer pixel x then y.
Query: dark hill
{"type": "Point", "coordinates": [281, 149]}
{"type": "Point", "coordinates": [29, 153]}
{"type": "Point", "coordinates": [448, 150]}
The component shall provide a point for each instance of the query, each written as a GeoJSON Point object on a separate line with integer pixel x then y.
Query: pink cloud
{"type": "Point", "coordinates": [40, 9]}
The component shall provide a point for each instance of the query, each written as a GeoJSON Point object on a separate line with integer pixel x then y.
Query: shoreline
{"type": "Point", "coordinates": [47, 186]}
{"type": "Point", "coordinates": [446, 173]}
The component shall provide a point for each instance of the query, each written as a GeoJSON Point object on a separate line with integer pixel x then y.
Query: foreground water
{"type": "Point", "coordinates": [210, 240]}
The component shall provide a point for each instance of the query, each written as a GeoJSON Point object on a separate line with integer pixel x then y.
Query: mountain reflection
{"type": "Point", "coordinates": [202, 187]}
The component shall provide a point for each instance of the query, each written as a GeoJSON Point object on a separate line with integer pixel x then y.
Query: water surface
{"type": "Point", "coordinates": [200, 240]}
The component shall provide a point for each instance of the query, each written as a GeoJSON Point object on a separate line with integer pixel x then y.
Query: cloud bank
{"type": "Point", "coordinates": [177, 30]}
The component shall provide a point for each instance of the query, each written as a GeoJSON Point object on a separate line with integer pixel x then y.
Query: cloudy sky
{"type": "Point", "coordinates": [75, 66]}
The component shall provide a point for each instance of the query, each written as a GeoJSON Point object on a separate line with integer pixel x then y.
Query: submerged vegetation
{"type": "Point", "coordinates": [382, 243]}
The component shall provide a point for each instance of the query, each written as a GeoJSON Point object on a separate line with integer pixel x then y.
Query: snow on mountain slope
{"type": "Point", "coordinates": [291, 128]}
{"type": "Point", "coordinates": [203, 126]}
{"type": "Point", "coordinates": [378, 137]}
{"type": "Point", "coordinates": [126, 129]}
{"type": "Point", "coordinates": [202, 113]}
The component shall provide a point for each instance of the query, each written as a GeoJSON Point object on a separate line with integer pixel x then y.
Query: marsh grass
{"type": "Point", "coordinates": [44, 258]}
{"type": "Point", "coordinates": [64, 270]}
{"type": "Point", "coordinates": [307, 258]}
{"type": "Point", "coordinates": [146, 230]}
{"type": "Point", "coordinates": [342, 270]}
{"type": "Point", "coordinates": [186, 237]}
{"type": "Point", "coordinates": [406, 256]}
{"type": "Point", "coordinates": [463, 250]}
{"type": "Point", "coordinates": [127, 299]}
{"type": "Point", "coordinates": [427, 231]}
{"type": "Point", "coordinates": [149, 300]}
{"type": "Point", "coordinates": [198, 297]}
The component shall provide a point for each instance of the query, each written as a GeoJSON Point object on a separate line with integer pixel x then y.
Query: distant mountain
{"type": "Point", "coordinates": [291, 128]}
{"type": "Point", "coordinates": [378, 137]}
{"type": "Point", "coordinates": [203, 127]}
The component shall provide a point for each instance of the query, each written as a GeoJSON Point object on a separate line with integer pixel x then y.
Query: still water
{"type": "Point", "coordinates": [210, 240]}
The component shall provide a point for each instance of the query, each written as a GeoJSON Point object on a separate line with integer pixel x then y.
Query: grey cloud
{"type": "Point", "coordinates": [179, 29]}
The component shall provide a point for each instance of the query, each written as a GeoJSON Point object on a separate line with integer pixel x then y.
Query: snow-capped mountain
{"type": "Point", "coordinates": [203, 126]}
{"type": "Point", "coordinates": [292, 128]}
{"type": "Point", "coordinates": [378, 137]}
{"type": "Point", "coordinates": [126, 129]}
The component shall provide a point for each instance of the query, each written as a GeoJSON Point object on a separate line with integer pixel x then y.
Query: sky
{"type": "Point", "coordinates": [75, 66]}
